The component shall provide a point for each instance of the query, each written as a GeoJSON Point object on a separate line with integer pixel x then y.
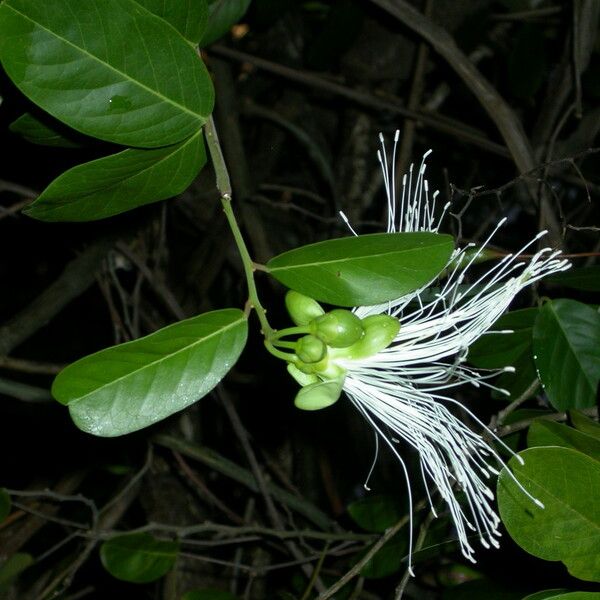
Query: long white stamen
{"type": "Point", "coordinates": [401, 389]}
{"type": "Point", "coordinates": [375, 457]}
{"type": "Point", "coordinates": [345, 219]}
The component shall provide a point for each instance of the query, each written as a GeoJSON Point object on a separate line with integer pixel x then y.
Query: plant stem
{"type": "Point", "coordinates": [291, 331]}
{"type": "Point", "coordinates": [224, 187]}
{"type": "Point", "coordinates": [280, 344]}
{"type": "Point", "coordinates": [278, 353]}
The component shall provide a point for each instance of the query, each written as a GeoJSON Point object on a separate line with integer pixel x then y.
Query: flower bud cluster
{"type": "Point", "coordinates": [331, 339]}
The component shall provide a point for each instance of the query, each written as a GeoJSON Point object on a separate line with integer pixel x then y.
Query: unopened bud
{"type": "Point", "coordinates": [338, 328]}
{"type": "Point", "coordinates": [380, 331]}
{"type": "Point", "coordinates": [301, 308]}
{"type": "Point", "coordinates": [319, 395]}
{"type": "Point", "coordinates": [310, 349]}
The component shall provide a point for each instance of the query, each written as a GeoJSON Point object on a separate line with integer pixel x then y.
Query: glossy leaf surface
{"type": "Point", "coordinates": [130, 386]}
{"type": "Point", "coordinates": [108, 68]}
{"type": "Point", "coordinates": [138, 558]}
{"type": "Point", "coordinates": [568, 528]}
{"type": "Point", "coordinates": [566, 345]}
{"type": "Point", "coordinates": [222, 14]}
{"type": "Point", "coordinates": [545, 594]}
{"type": "Point", "coordinates": [120, 182]}
{"type": "Point", "coordinates": [548, 433]}
{"type": "Point", "coordinates": [585, 424]}
{"type": "Point", "coordinates": [189, 17]}
{"type": "Point", "coordinates": [363, 270]}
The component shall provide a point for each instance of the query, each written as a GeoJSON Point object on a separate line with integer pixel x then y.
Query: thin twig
{"type": "Point", "coordinates": [375, 548]}
{"type": "Point", "coordinates": [29, 366]}
{"type": "Point", "coordinates": [393, 105]}
{"type": "Point", "coordinates": [497, 108]}
{"type": "Point", "coordinates": [231, 531]}
{"type": "Point", "coordinates": [163, 292]}
{"type": "Point", "coordinates": [77, 276]}
{"type": "Point", "coordinates": [418, 545]}
{"type": "Point", "coordinates": [224, 187]}
{"type": "Point", "coordinates": [274, 515]}
{"type": "Point", "coordinates": [501, 416]}
{"type": "Point", "coordinates": [205, 490]}
{"type": "Point", "coordinates": [219, 463]}
{"type": "Point", "coordinates": [58, 497]}
{"type": "Point", "coordinates": [525, 423]}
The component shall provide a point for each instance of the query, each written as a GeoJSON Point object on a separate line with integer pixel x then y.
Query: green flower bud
{"type": "Point", "coordinates": [380, 331]}
{"type": "Point", "coordinates": [301, 308]}
{"type": "Point", "coordinates": [310, 349]}
{"type": "Point", "coordinates": [338, 328]}
{"type": "Point", "coordinates": [302, 378]}
{"type": "Point", "coordinates": [319, 395]}
{"type": "Point", "coordinates": [326, 369]}
{"type": "Point", "coordinates": [310, 368]}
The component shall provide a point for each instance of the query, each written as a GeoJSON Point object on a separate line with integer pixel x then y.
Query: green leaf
{"type": "Point", "coordinates": [498, 350]}
{"type": "Point", "coordinates": [548, 433]}
{"type": "Point", "coordinates": [363, 270]}
{"type": "Point", "coordinates": [568, 528]}
{"type": "Point", "coordinates": [578, 596]}
{"type": "Point", "coordinates": [108, 68]}
{"type": "Point", "coordinates": [189, 17]}
{"type": "Point", "coordinates": [120, 182]}
{"type": "Point", "coordinates": [12, 567]}
{"type": "Point", "coordinates": [584, 278]}
{"type": "Point", "coordinates": [4, 504]}
{"type": "Point", "coordinates": [545, 594]}
{"type": "Point", "coordinates": [523, 381]}
{"type": "Point", "coordinates": [138, 557]}
{"type": "Point", "coordinates": [209, 595]}
{"type": "Point", "coordinates": [39, 132]}
{"type": "Point", "coordinates": [130, 386]}
{"type": "Point", "coordinates": [585, 424]}
{"type": "Point", "coordinates": [222, 14]}
{"type": "Point", "coordinates": [375, 512]}
{"type": "Point", "coordinates": [566, 345]}
{"type": "Point", "coordinates": [388, 560]}
{"type": "Point", "coordinates": [563, 595]}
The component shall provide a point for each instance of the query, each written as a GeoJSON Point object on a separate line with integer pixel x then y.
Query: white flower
{"type": "Point", "coordinates": [403, 388]}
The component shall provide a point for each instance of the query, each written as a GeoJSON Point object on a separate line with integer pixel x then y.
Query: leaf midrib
{"type": "Point", "coordinates": [107, 65]}
{"type": "Point", "coordinates": [159, 360]}
{"type": "Point", "coordinates": [347, 259]}
{"type": "Point", "coordinates": [560, 501]}
{"type": "Point", "coordinates": [180, 146]}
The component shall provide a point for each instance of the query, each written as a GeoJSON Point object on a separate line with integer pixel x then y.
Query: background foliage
{"type": "Point", "coordinates": [241, 495]}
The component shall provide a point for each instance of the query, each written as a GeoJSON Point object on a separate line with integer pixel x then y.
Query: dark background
{"type": "Point", "coordinates": [300, 135]}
